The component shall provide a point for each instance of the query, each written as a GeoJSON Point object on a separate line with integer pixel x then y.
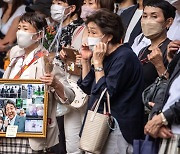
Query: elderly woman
{"type": "Point", "coordinates": [73, 119]}
{"type": "Point", "coordinates": [116, 68]}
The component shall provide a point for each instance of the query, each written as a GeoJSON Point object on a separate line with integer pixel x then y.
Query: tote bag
{"type": "Point", "coordinates": [96, 128]}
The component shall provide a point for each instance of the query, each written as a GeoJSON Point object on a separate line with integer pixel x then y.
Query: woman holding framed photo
{"type": "Point", "coordinates": [27, 62]}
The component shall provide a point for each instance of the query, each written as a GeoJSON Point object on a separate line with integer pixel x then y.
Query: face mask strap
{"type": "Point", "coordinates": [56, 39]}
{"type": "Point", "coordinates": [43, 36]}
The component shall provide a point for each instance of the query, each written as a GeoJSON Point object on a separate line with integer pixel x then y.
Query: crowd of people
{"type": "Point", "coordinates": [118, 45]}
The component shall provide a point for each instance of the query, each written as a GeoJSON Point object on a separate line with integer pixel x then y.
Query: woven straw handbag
{"type": "Point", "coordinates": [96, 128]}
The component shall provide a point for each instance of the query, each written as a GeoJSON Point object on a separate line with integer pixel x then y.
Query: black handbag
{"type": "Point", "coordinates": [155, 92]}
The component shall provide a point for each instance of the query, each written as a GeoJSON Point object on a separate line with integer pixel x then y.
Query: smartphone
{"type": "Point", "coordinates": [70, 52]}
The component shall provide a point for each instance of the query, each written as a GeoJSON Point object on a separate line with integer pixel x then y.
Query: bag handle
{"type": "Point", "coordinates": [98, 103]}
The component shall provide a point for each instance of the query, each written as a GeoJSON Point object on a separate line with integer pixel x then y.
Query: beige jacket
{"type": "Point", "coordinates": [36, 71]}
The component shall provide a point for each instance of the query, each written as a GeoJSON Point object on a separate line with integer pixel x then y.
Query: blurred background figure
{"type": "Point", "coordinates": [42, 7]}
{"type": "Point", "coordinates": [131, 18]}
{"type": "Point", "coordinates": [173, 32]}
{"type": "Point", "coordinates": [10, 12]}
{"type": "Point", "coordinates": [121, 5]}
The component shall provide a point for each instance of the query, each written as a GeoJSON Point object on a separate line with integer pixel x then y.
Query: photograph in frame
{"type": "Point", "coordinates": [23, 103]}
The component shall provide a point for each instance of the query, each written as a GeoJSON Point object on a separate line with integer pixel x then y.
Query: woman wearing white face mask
{"type": "Point", "coordinates": [10, 12]}
{"type": "Point", "coordinates": [115, 67]}
{"type": "Point", "coordinates": [68, 12]}
{"type": "Point", "coordinates": [73, 120]}
{"type": "Point", "coordinates": [27, 62]}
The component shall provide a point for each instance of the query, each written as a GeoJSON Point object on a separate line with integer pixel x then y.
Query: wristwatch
{"type": "Point", "coordinates": [164, 121]}
{"type": "Point", "coordinates": [98, 69]}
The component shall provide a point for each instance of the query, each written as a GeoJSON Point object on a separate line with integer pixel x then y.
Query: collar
{"type": "Point", "coordinates": [13, 120]}
{"type": "Point", "coordinates": [30, 57]}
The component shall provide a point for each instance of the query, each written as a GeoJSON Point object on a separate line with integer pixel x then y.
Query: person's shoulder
{"type": "Point", "coordinates": [126, 48]}
{"type": "Point", "coordinates": [20, 10]}
{"type": "Point", "coordinates": [21, 118]}
{"type": "Point", "coordinates": [15, 51]}
{"type": "Point", "coordinates": [126, 52]}
{"type": "Point", "coordinates": [133, 8]}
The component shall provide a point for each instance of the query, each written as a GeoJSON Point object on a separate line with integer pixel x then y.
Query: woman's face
{"type": "Point", "coordinates": [153, 22]}
{"type": "Point", "coordinates": [60, 3]}
{"type": "Point", "coordinates": [27, 27]}
{"type": "Point", "coordinates": [95, 31]}
{"type": "Point", "coordinates": [92, 4]}
{"type": "Point", "coordinates": [64, 4]}
{"type": "Point", "coordinates": [153, 13]}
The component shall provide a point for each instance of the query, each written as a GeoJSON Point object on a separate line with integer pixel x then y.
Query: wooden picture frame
{"type": "Point", "coordinates": [23, 103]}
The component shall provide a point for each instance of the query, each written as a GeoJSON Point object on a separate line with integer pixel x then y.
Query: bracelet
{"type": "Point", "coordinates": [98, 69]}
{"type": "Point", "coordinates": [164, 121]}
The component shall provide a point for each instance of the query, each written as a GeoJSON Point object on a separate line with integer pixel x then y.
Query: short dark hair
{"type": "Point", "coordinates": [37, 21]}
{"type": "Point", "coordinates": [9, 102]}
{"type": "Point", "coordinates": [77, 3]}
{"type": "Point", "coordinates": [169, 11]}
{"type": "Point", "coordinates": [109, 24]}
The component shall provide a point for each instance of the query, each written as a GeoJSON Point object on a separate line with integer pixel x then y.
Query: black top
{"type": "Point", "coordinates": [149, 70]}
{"type": "Point", "coordinates": [124, 82]}
{"type": "Point", "coordinates": [66, 35]}
{"type": "Point", "coordinates": [67, 32]}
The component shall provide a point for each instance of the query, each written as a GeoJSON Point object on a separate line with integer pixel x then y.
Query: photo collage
{"type": "Point", "coordinates": [22, 105]}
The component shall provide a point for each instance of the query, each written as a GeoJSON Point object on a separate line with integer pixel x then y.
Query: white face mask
{"type": "Point", "coordinates": [57, 12]}
{"type": "Point", "coordinates": [93, 41]}
{"type": "Point", "coordinates": [24, 39]}
{"type": "Point", "coordinates": [8, 1]}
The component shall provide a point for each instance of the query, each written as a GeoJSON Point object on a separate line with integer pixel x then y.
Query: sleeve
{"type": "Point", "coordinates": [86, 83]}
{"type": "Point", "coordinates": [61, 76]}
{"type": "Point", "coordinates": [116, 78]}
{"type": "Point", "coordinates": [172, 115]}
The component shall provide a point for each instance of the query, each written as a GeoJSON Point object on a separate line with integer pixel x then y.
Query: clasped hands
{"type": "Point", "coordinates": [155, 128]}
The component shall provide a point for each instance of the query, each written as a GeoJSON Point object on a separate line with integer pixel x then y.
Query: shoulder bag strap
{"type": "Point", "coordinates": [98, 103]}
{"type": "Point", "coordinates": [38, 55]}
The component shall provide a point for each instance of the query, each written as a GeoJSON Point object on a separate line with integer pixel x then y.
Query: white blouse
{"type": "Point", "coordinates": [21, 62]}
